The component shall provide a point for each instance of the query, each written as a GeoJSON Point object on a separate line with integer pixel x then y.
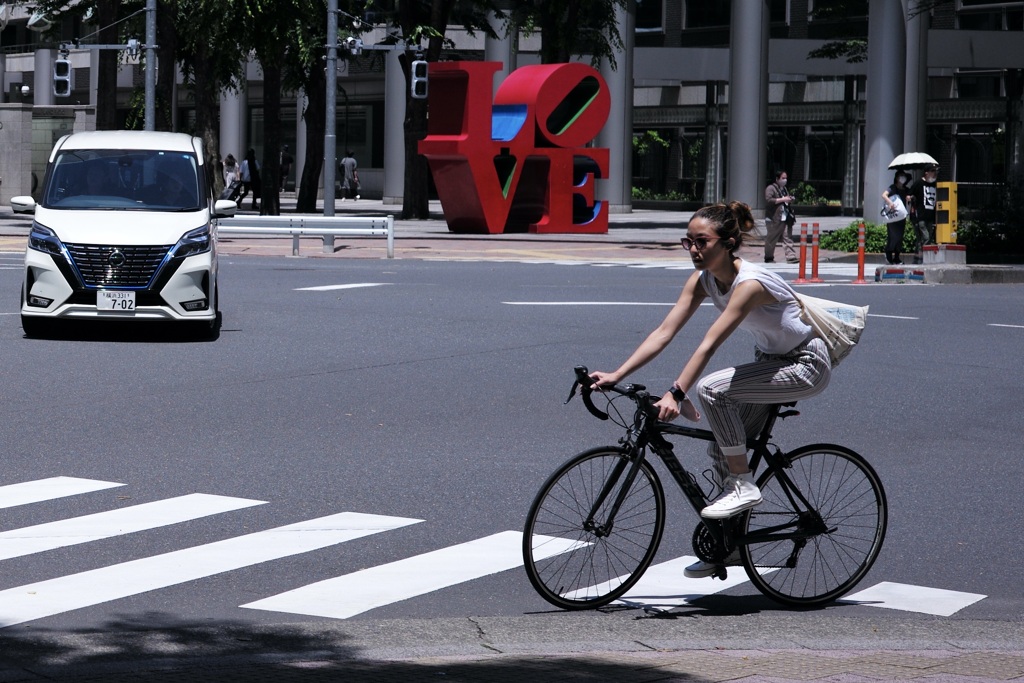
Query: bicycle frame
{"type": "Point", "coordinates": [648, 432]}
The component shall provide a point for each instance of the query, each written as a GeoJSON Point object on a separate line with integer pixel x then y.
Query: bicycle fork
{"type": "Point", "coordinates": [634, 460]}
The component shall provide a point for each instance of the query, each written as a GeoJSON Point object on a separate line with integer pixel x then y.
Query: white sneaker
{"type": "Point", "coordinates": [357, 197]}
{"type": "Point", "coordinates": [739, 493]}
{"type": "Point", "coordinates": [701, 569]}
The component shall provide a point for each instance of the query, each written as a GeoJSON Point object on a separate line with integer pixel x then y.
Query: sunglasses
{"type": "Point", "coordinates": [700, 242]}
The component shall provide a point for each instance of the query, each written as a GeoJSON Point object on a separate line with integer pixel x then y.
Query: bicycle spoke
{"type": "Point", "coordinates": [847, 495]}
{"type": "Point", "coordinates": [602, 564]}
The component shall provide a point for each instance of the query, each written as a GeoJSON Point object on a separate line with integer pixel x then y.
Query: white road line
{"type": "Point", "coordinates": [37, 491]}
{"type": "Point", "coordinates": [346, 596]}
{"type": "Point", "coordinates": [328, 288]}
{"type": "Point", "coordinates": [901, 596]}
{"type": "Point", "coordinates": [590, 303]}
{"type": "Point", "coordinates": [892, 317]}
{"type": "Point", "coordinates": [1016, 327]}
{"type": "Point", "coordinates": [63, 594]}
{"type": "Point", "coordinates": [43, 537]}
{"type": "Point", "coordinates": [583, 303]}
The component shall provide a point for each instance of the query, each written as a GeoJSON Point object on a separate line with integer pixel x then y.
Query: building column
{"type": "Point", "coordinates": [233, 122]}
{"type": "Point", "coordinates": [852, 200]}
{"type": "Point", "coordinates": [617, 134]}
{"type": "Point", "coordinates": [887, 40]}
{"type": "Point", "coordinates": [42, 84]}
{"type": "Point", "coordinates": [916, 107]}
{"type": "Point", "coordinates": [394, 129]}
{"type": "Point", "coordinates": [300, 137]}
{"type": "Point", "coordinates": [748, 104]}
{"type": "Point", "coordinates": [712, 142]}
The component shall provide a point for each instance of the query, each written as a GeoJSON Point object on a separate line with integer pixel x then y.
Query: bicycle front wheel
{"type": "Point", "coordinates": [575, 556]}
{"type": "Point", "coordinates": [837, 540]}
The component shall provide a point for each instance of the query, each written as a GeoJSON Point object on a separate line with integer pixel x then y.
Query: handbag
{"type": "Point", "coordinates": [839, 325]}
{"type": "Point", "coordinates": [897, 213]}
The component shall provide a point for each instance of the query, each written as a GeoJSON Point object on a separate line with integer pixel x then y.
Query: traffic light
{"type": "Point", "coordinates": [418, 84]}
{"type": "Point", "coordinates": [62, 78]}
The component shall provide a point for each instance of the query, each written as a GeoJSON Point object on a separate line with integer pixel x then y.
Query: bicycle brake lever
{"type": "Point", "coordinates": [572, 392]}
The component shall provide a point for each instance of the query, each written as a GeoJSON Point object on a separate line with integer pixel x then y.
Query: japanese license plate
{"type": "Point", "coordinates": [115, 301]}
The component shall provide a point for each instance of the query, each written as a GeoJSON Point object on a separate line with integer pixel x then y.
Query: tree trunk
{"type": "Point", "coordinates": [270, 203]}
{"type": "Point", "coordinates": [207, 100]}
{"type": "Point", "coordinates": [167, 67]}
{"type": "Point", "coordinates": [316, 123]}
{"type": "Point", "coordinates": [416, 201]}
{"type": "Point", "coordinates": [106, 77]}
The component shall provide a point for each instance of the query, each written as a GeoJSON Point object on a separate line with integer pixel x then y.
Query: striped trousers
{"type": "Point", "coordinates": [736, 400]}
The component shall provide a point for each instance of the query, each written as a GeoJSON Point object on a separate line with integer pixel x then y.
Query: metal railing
{"type": "Point", "coordinates": [327, 227]}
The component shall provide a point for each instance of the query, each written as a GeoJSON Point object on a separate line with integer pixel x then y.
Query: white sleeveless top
{"type": "Point", "coordinates": [777, 328]}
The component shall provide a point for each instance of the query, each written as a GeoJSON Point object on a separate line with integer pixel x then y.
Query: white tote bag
{"type": "Point", "coordinates": [897, 213]}
{"type": "Point", "coordinates": [839, 325]}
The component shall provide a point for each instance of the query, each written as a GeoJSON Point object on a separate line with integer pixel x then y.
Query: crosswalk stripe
{"type": "Point", "coordinates": [43, 537]}
{"type": "Point", "coordinates": [346, 596]}
{"type": "Point", "coordinates": [40, 490]}
{"type": "Point", "coordinates": [328, 288]}
{"type": "Point", "coordinates": [901, 596]}
{"type": "Point", "coordinates": [75, 591]}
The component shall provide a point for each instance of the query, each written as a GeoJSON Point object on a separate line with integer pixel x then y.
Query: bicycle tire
{"type": "Point", "coordinates": [572, 567]}
{"type": "Point", "coordinates": [849, 497]}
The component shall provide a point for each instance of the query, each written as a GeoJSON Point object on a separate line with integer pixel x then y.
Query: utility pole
{"type": "Point", "coordinates": [330, 132]}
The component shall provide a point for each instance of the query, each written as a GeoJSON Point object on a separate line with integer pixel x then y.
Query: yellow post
{"type": "Point", "coordinates": [945, 213]}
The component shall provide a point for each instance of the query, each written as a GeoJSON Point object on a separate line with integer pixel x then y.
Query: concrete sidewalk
{"type": "Point", "coordinates": [642, 236]}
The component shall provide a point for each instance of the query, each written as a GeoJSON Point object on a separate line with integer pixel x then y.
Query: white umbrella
{"type": "Point", "coordinates": [913, 160]}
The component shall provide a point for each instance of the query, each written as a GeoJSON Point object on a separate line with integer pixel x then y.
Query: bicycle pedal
{"type": "Point", "coordinates": [722, 573]}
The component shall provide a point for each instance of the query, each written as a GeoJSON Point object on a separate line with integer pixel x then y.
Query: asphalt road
{"type": "Point", "coordinates": [432, 392]}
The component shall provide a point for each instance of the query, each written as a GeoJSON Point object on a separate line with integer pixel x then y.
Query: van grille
{"type": "Point", "coordinates": [110, 266]}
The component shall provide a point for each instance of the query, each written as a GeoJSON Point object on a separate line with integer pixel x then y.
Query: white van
{"type": "Point", "coordinates": [125, 230]}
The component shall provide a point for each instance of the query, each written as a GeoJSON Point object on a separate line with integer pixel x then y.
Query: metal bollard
{"type": "Point", "coordinates": [861, 240]}
{"type": "Point", "coordinates": [814, 254]}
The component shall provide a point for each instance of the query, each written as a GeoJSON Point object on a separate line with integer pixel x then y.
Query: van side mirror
{"type": "Point", "coordinates": [222, 208]}
{"type": "Point", "coordinates": [23, 204]}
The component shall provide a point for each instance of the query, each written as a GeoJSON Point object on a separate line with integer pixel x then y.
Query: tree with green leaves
{"type": "Point", "coordinates": [571, 28]}
{"type": "Point", "coordinates": [427, 21]}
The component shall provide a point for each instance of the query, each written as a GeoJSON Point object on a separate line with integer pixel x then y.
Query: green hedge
{"type": "Point", "coordinates": [875, 237]}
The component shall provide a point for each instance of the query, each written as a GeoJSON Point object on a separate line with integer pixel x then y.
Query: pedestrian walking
{"type": "Point", "coordinates": [779, 219]}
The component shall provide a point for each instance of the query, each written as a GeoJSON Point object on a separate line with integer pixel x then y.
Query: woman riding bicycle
{"type": "Point", "coordinates": [790, 364]}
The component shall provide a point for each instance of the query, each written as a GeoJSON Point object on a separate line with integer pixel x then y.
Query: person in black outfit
{"type": "Point", "coordinates": [894, 244]}
{"type": "Point", "coordinates": [286, 165]}
{"type": "Point", "coordinates": [923, 210]}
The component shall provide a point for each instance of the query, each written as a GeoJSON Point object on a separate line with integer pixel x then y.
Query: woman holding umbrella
{"type": "Point", "coordinates": [894, 243]}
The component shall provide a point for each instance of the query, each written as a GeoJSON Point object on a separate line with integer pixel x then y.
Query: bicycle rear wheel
{"type": "Point", "coordinates": [574, 564]}
{"type": "Point", "coordinates": [838, 548]}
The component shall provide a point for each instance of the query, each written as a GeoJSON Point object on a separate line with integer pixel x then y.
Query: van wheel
{"type": "Point", "coordinates": [208, 330]}
{"type": "Point", "coordinates": [36, 327]}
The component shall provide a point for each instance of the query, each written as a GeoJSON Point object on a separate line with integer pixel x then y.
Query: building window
{"type": "Point", "coordinates": [649, 15]}
{"type": "Point", "coordinates": [703, 14]}
{"type": "Point", "coordinates": [979, 84]}
{"type": "Point", "coordinates": [984, 15]}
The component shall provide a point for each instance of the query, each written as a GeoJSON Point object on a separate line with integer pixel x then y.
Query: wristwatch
{"type": "Point", "coordinates": [678, 394]}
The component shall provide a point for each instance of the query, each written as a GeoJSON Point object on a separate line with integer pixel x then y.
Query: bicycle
{"type": "Point", "coordinates": [596, 523]}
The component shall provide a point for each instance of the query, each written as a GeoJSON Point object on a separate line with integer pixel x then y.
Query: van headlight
{"type": "Point", "coordinates": [45, 240]}
{"type": "Point", "coordinates": [194, 242]}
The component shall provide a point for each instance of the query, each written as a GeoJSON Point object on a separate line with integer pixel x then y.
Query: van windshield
{"type": "Point", "coordinates": [107, 179]}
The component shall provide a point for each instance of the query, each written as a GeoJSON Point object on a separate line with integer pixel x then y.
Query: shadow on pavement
{"type": "Point", "coordinates": [123, 651]}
